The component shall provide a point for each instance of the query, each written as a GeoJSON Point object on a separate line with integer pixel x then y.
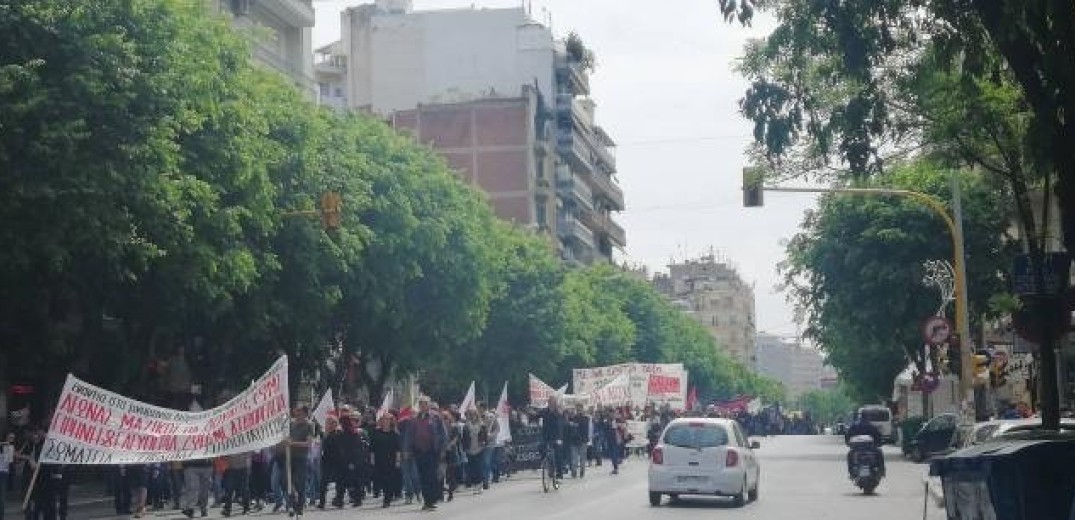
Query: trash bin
{"type": "Point", "coordinates": [908, 431]}
{"type": "Point", "coordinates": [1024, 478]}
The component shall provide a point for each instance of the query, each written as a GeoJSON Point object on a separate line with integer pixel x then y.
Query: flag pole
{"type": "Point", "coordinates": [30, 488]}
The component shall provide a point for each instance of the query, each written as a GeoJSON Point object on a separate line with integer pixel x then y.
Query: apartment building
{"type": "Point", "coordinates": [712, 292]}
{"type": "Point", "coordinates": [502, 99]}
{"type": "Point", "coordinates": [281, 35]}
{"type": "Point", "coordinates": [799, 367]}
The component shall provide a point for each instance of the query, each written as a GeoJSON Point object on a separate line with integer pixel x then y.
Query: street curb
{"type": "Point", "coordinates": [935, 489]}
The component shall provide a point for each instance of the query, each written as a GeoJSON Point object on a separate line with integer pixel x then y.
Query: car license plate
{"type": "Point", "coordinates": [690, 480]}
{"type": "Point", "coordinates": [864, 471]}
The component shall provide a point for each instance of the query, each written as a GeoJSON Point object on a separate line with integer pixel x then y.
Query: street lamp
{"type": "Point", "coordinates": [752, 188]}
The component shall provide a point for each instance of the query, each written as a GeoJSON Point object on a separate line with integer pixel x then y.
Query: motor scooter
{"type": "Point", "coordinates": [865, 463]}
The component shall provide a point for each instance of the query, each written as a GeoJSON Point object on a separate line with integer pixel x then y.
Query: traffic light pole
{"type": "Point", "coordinates": [955, 230]}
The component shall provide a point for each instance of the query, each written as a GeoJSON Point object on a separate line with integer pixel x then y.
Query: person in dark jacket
{"type": "Point", "coordinates": [385, 444]}
{"type": "Point", "coordinates": [353, 450]}
{"type": "Point", "coordinates": [331, 463]}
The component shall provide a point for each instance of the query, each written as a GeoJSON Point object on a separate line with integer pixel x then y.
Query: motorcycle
{"type": "Point", "coordinates": [865, 463]}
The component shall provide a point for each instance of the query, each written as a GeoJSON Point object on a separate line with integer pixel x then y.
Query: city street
{"type": "Point", "coordinates": [802, 478]}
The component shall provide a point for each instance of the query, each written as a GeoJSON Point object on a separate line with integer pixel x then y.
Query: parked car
{"type": "Point", "coordinates": [936, 437]}
{"type": "Point", "coordinates": [1013, 426]}
{"type": "Point", "coordinates": [704, 457]}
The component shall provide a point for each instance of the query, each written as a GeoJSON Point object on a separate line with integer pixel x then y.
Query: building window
{"type": "Point", "coordinates": [542, 215]}
{"type": "Point", "coordinates": [324, 89]}
{"type": "Point", "coordinates": [339, 92]}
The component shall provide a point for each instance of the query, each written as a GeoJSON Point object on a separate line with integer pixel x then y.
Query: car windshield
{"type": "Point", "coordinates": [874, 415]}
{"type": "Point", "coordinates": [696, 436]}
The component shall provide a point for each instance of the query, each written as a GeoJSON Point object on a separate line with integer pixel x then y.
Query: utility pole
{"type": "Point", "coordinates": [753, 191]}
{"type": "Point", "coordinates": [962, 314]}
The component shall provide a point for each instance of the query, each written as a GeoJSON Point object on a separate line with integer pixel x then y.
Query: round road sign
{"type": "Point", "coordinates": [936, 330]}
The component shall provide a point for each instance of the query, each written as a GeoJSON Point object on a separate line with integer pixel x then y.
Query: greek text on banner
{"type": "Point", "coordinates": [92, 425]}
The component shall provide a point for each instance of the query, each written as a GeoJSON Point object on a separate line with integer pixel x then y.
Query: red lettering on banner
{"type": "Point", "coordinates": [659, 385]}
{"type": "Point", "coordinates": [167, 443]}
{"type": "Point", "coordinates": [85, 409]}
{"type": "Point", "coordinates": [131, 422]}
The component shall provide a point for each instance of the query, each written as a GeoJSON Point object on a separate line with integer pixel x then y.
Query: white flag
{"type": "Point", "coordinates": [503, 434]}
{"type": "Point", "coordinates": [386, 405]}
{"type": "Point", "coordinates": [324, 408]}
{"type": "Point", "coordinates": [468, 400]}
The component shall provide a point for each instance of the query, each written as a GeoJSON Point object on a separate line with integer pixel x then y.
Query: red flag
{"type": "Point", "coordinates": [692, 398]}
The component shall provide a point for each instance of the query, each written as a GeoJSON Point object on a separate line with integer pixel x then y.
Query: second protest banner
{"type": "Point", "coordinates": [92, 425]}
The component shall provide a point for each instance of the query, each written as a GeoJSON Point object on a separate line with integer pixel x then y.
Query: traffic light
{"type": "Point", "coordinates": [982, 360]}
{"type": "Point", "coordinates": [753, 192]}
{"type": "Point", "coordinates": [331, 210]}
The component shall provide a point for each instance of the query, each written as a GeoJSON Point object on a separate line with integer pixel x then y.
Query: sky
{"type": "Point", "coordinates": [666, 91]}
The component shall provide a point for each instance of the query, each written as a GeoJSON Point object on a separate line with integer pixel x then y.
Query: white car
{"type": "Point", "coordinates": [703, 456]}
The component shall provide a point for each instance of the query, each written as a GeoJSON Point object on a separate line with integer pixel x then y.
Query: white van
{"type": "Point", "coordinates": [881, 418]}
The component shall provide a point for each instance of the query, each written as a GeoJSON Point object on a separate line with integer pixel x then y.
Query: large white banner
{"type": "Point", "coordinates": [92, 425]}
{"type": "Point", "coordinates": [539, 392]}
{"type": "Point", "coordinates": [649, 383]}
{"type": "Point", "coordinates": [616, 393]}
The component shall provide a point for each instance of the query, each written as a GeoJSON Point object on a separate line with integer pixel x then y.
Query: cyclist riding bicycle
{"type": "Point", "coordinates": [552, 433]}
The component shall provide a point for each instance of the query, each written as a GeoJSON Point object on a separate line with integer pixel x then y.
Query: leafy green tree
{"type": "Point", "coordinates": [1036, 41]}
{"type": "Point", "coordinates": [826, 406]}
{"type": "Point", "coordinates": [855, 272]}
{"type": "Point", "coordinates": [136, 182]}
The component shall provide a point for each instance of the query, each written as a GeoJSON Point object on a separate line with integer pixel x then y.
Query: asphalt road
{"type": "Point", "coordinates": [802, 478]}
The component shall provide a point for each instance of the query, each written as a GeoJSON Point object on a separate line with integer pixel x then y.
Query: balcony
{"type": "Point", "coordinates": [608, 227]}
{"type": "Point", "coordinates": [331, 64]}
{"type": "Point", "coordinates": [604, 159]}
{"type": "Point", "coordinates": [573, 189]}
{"type": "Point", "coordinates": [607, 189]}
{"type": "Point", "coordinates": [296, 13]}
{"type": "Point", "coordinates": [573, 147]}
{"type": "Point", "coordinates": [573, 74]}
{"type": "Point", "coordinates": [571, 230]}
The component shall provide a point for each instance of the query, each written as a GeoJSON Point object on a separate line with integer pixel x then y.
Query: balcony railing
{"type": "Point", "coordinates": [606, 188]}
{"type": "Point", "coordinates": [603, 225]}
{"type": "Point", "coordinates": [574, 189]}
{"type": "Point", "coordinates": [570, 229]}
{"type": "Point", "coordinates": [574, 74]}
{"type": "Point", "coordinates": [572, 145]}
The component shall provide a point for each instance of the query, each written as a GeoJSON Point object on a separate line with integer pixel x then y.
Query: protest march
{"type": "Point", "coordinates": [259, 449]}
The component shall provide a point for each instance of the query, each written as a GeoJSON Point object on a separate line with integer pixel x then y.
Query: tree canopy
{"type": "Point", "coordinates": [855, 272]}
{"type": "Point", "coordinates": [160, 191]}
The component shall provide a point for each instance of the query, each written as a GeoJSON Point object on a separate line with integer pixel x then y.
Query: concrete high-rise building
{"type": "Point", "coordinates": [800, 368]}
{"type": "Point", "coordinates": [714, 294]}
{"type": "Point", "coordinates": [501, 99]}
{"type": "Point", "coordinates": [281, 35]}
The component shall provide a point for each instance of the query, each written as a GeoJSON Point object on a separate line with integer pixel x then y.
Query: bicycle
{"type": "Point", "coordinates": [550, 469]}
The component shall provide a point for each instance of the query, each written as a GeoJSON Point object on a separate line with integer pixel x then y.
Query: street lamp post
{"type": "Point", "coordinates": [955, 230]}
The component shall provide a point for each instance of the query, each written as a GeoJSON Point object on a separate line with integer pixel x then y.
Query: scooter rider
{"type": "Point", "coordinates": [864, 427]}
